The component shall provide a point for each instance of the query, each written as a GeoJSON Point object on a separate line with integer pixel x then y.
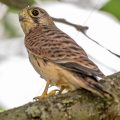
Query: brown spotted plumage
{"type": "Point", "coordinates": [56, 56]}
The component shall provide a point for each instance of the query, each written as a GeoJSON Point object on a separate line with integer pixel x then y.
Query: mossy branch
{"type": "Point", "coordinates": [76, 105]}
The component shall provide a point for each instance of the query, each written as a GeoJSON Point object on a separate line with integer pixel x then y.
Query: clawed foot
{"type": "Point", "coordinates": [44, 95]}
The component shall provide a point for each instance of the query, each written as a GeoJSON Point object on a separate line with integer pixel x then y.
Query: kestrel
{"type": "Point", "coordinates": [57, 57]}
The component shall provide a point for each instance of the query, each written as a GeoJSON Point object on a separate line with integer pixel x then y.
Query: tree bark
{"type": "Point", "coordinates": [75, 105]}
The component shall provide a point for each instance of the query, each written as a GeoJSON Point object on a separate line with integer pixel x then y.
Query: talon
{"type": "Point", "coordinates": [61, 90]}
{"type": "Point", "coordinates": [40, 97]}
{"type": "Point", "coordinates": [44, 95]}
{"type": "Point", "coordinates": [53, 92]}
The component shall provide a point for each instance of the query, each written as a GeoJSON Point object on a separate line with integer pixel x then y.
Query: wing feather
{"type": "Point", "coordinates": [56, 46]}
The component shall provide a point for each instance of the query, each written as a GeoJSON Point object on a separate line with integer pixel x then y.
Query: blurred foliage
{"type": "Point", "coordinates": [18, 4]}
{"type": "Point", "coordinates": [1, 109]}
{"type": "Point", "coordinates": [10, 29]}
{"type": "Point", "coordinates": [112, 7]}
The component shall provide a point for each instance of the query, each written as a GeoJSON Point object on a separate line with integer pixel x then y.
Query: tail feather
{"type": "Point", "coordinates": [97, 88]}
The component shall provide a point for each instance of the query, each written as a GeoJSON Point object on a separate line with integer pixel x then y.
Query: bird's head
{"type": "Point", "coordinates": [32, 17]}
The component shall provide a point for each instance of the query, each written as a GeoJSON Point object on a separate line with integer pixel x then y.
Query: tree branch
{"type": "Point", "coordinates": [17, 4]}
{"type": "Point", "coordinates": [78, 27]}
{"type": "Point", "coordinates": [76, 105]}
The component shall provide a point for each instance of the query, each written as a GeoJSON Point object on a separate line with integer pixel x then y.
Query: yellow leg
{"type": "Point", "coordinates": [45, 93]}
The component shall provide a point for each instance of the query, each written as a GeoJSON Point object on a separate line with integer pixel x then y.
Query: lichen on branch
{"type": "Point", "coordinates": [75, 105]}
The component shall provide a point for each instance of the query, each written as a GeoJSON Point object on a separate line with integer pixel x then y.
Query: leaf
{"type": "Point", "coordinates": [10, 28]}
{"type": "Point", "coordinates": [112, 7]}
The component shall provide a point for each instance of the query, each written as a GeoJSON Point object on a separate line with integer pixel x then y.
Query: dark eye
{"type": "Point", "coordinates": [35, 12]}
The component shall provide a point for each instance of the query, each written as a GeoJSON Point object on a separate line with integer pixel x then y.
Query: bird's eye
{"type": "Point", "coordinates": [35, 12]}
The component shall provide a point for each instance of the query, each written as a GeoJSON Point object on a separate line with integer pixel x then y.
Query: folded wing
{"type": "Point", "coordinates": [54, 45]}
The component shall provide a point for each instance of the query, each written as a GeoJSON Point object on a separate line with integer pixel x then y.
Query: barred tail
{"type": "Point", "coordinates": [97, 88]}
